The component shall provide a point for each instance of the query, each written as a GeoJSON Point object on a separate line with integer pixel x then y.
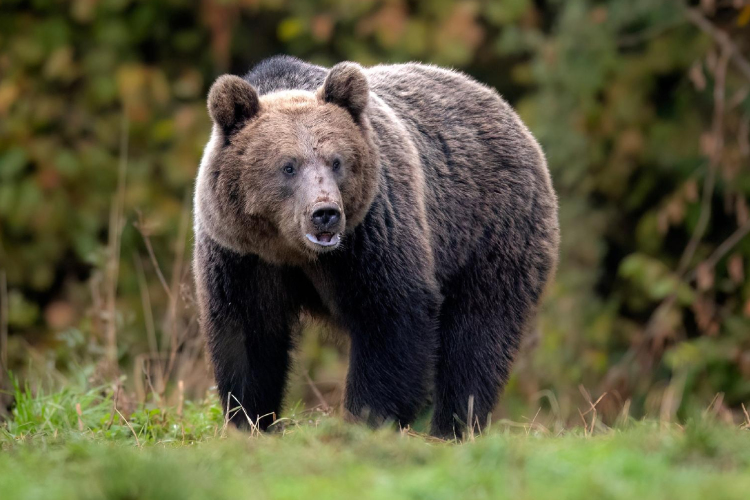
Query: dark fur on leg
{"type": "Point", "coordinates": [249, 319]}
{"type": "Point", "coordinates": [391, 361]}
{"type": "Point", "coordinates": [486, 311]}
{"type": "Point", "coordinates": [391, 317]}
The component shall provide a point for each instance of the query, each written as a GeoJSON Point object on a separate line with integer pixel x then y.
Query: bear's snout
{"type": "Point", "coordinates": [326, 217]}
{"type": "Point", "coordinates": [325, 225]}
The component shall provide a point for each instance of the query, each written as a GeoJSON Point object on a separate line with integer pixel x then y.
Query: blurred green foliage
{"type": "Point", "coordinates": [619, 92]}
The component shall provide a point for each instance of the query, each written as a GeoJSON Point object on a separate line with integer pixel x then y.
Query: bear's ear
{"type": "Point", "coordinates": [231, 102]}
{"type": "Point", "coordinates": [346, 86]}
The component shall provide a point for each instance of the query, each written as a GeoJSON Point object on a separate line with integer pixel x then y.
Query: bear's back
{"type": "Point", "coordinates": [407, 86]}
{"type": "Point", "coordinates": [285, 73]}
{"type": "Point", "coordinates": [484, 173]}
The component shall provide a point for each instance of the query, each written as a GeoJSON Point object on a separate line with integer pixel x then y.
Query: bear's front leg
{"type": "Point", "coordinates": [392, 320]}
{"type": "Point", "coordinates": [248, 313]}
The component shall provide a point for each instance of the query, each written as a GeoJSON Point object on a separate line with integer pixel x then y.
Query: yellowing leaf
{"type": "Point", "coordinates": [290, 28]}
{"type": "Point", "coordinates": [744, 17]}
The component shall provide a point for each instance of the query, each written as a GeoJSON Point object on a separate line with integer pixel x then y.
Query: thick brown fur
{"type": "Point", "coordinates": [445, 214]}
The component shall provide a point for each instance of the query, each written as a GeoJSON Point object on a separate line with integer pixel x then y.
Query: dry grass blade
{"type": "Point", "coordinates": [80, 414]}
{"type": "Point", "coordinates": [592, 408]}
{"type": "Point", "coordinates": [624, 415]}
{"type": "Point", "coordinates": [152, 256]}
{"type": "Point", "coordinates": [113, 248]}
{"type": "Point", "coordinates": [408, 431]}
{"type": "Point", "coordinates": [114, 406]}
{"type": "Point", "coordinates": [253, 426]}
{"type": "Point", "coordinates": [226, 418]}
{"type": "Point", "coordinates": [672, 398]}
{"type": "Point", "coordinates": [135, 435]}
{"type": "Point", "coordinates": [714, 406]}
{"type": "Point", "coordinates": [470, 418]}
{"type": "Point", "coordinates": [181, 401]}
{"type": "Point", "coordinates": [321, 400]}
{"type": "Point", "coordinates": [533, 420]}
{"type": "Point", "coordinates": [172, 339]}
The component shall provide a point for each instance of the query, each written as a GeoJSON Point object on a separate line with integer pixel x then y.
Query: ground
{"type": "Point", "coordinates": [186, 452]}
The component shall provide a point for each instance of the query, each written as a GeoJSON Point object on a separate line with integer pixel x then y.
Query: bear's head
{"type": "Point", "coordinates": [288, 174]}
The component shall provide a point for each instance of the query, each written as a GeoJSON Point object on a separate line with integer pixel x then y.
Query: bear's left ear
{"type": "Point", "coordinates": [231, 102]}
{"type": "Point", "coordinates": [346, 86]}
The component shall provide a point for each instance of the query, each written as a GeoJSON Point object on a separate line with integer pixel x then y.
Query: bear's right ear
{"type": "Point", "coordinates": [231, 102]}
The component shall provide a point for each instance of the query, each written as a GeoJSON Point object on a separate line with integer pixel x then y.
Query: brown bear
{"type": "Point", "coordinates": [407, 204]}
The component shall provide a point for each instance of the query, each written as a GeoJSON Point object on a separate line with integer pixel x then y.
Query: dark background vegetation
{"type": "Point", "coordinates": [642, 107]}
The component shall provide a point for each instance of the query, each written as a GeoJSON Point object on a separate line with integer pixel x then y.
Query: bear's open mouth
{"type": "Point", "coordinates": [324, 239]}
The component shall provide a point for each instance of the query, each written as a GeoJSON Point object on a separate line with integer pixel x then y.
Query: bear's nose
{"type": "Point", "coordinates": [326, 217]}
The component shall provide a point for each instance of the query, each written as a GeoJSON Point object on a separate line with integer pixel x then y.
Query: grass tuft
{"type": "Point", "coordinates": [184, 452]}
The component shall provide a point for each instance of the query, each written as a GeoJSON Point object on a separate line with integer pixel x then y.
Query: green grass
{"type": "Point", "coordinates": [189, 454]}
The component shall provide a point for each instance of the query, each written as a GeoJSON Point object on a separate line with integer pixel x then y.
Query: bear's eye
{"type": "Point", "coordinates": [336, 164]}
{"type": "Point", "coordinates": [288, 169]}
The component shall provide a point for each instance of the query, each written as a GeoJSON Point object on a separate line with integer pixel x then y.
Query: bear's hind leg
{"type": "Point", "coordinates": [482, 320]}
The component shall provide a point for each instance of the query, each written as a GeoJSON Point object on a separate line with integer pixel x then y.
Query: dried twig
{"type": "Point", "coordinates": [633, 39]}
{"type": "Point", "coordinates": [147, 241]}
{"type": "Point", "coordinates": [95, 284]}
{"type": "Point", "coordinates": [585, 424]}
{"type": "Point", "coordinates": [174, 341]}
{"type": "Point", "coordinates": [723, 249]}
{"type": "Point", "coordinates": [717, 134]}
{"type": "Point", "coordinates": [721, 38]}
{"type": "Point", "coordinates": [114, 406]}
{"type": "Point", "coordinates": [717, 129]}
{"type": "Point", "coordinates": [4, 309]}
{"type": "Point", "coordinates": [171, 340]}
{"type": "Point", "coordinates": [148, 314]}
